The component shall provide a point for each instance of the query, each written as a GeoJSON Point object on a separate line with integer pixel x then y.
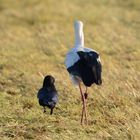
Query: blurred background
{"type": "Point", "coordinates": [35, 36]}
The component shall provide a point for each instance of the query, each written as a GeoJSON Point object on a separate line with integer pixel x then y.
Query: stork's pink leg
{"type": "Point", "coordinates": [82, 97]}
{"type": "Point", "coordinates": [84, 106]}
{"type": "Point", "coordinates": [86, 95]}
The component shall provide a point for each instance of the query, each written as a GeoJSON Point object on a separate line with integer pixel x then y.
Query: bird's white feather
{"type": "Point", "coordinates": [75, 79]}
{"type": "Point", "coordinates": [72, 57]}
{"type": "Point", "coordinates": [79, 35]}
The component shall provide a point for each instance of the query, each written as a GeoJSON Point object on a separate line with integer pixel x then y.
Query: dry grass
{"type": "Point", "coordinates": [35, 36]}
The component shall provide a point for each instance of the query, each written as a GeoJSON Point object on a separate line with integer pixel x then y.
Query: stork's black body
{"type": "Point", "coordinates": [47, 95]}
{"type": "Point", "coordinates": [88, 68]}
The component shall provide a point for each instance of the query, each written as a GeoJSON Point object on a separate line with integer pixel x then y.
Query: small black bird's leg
{"type": "Point", "coordinates": [44, 109]}
{"type": "Point", "coordinates": [51, 111]}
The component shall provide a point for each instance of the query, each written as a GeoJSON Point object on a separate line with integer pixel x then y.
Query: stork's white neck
{"type": "Point", "coordinates": [79, 35]}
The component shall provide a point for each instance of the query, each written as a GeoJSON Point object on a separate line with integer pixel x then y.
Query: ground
{"type": "Point", "coordinates": [35, 36]}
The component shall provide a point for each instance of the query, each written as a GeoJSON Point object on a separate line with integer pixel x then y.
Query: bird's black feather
{"type": "Point", "coordinates": [88, 68]}
{"type": "Point", "coordinates": [48, 95]}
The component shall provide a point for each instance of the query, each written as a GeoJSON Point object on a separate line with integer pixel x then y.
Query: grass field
{"type": "Point", "coordinates": [35, 36]}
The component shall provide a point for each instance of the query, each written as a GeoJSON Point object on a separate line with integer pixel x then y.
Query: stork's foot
{"type": "Point", "coordinates": [86, 95]}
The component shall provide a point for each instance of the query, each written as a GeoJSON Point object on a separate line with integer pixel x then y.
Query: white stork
{"type": "Point", "coordinates": [83, 65]}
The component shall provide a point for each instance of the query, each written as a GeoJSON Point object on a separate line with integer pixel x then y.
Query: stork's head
{"type": "Point", "coordinates": [48, 81]}
{"type": "Point", "coordinates": [92, 60]}
{"type": "Point", "coordinates": [78, 24]}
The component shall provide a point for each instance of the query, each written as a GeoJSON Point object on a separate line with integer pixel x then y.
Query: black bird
{"type": "Point", "coordinates": [47, 95]}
